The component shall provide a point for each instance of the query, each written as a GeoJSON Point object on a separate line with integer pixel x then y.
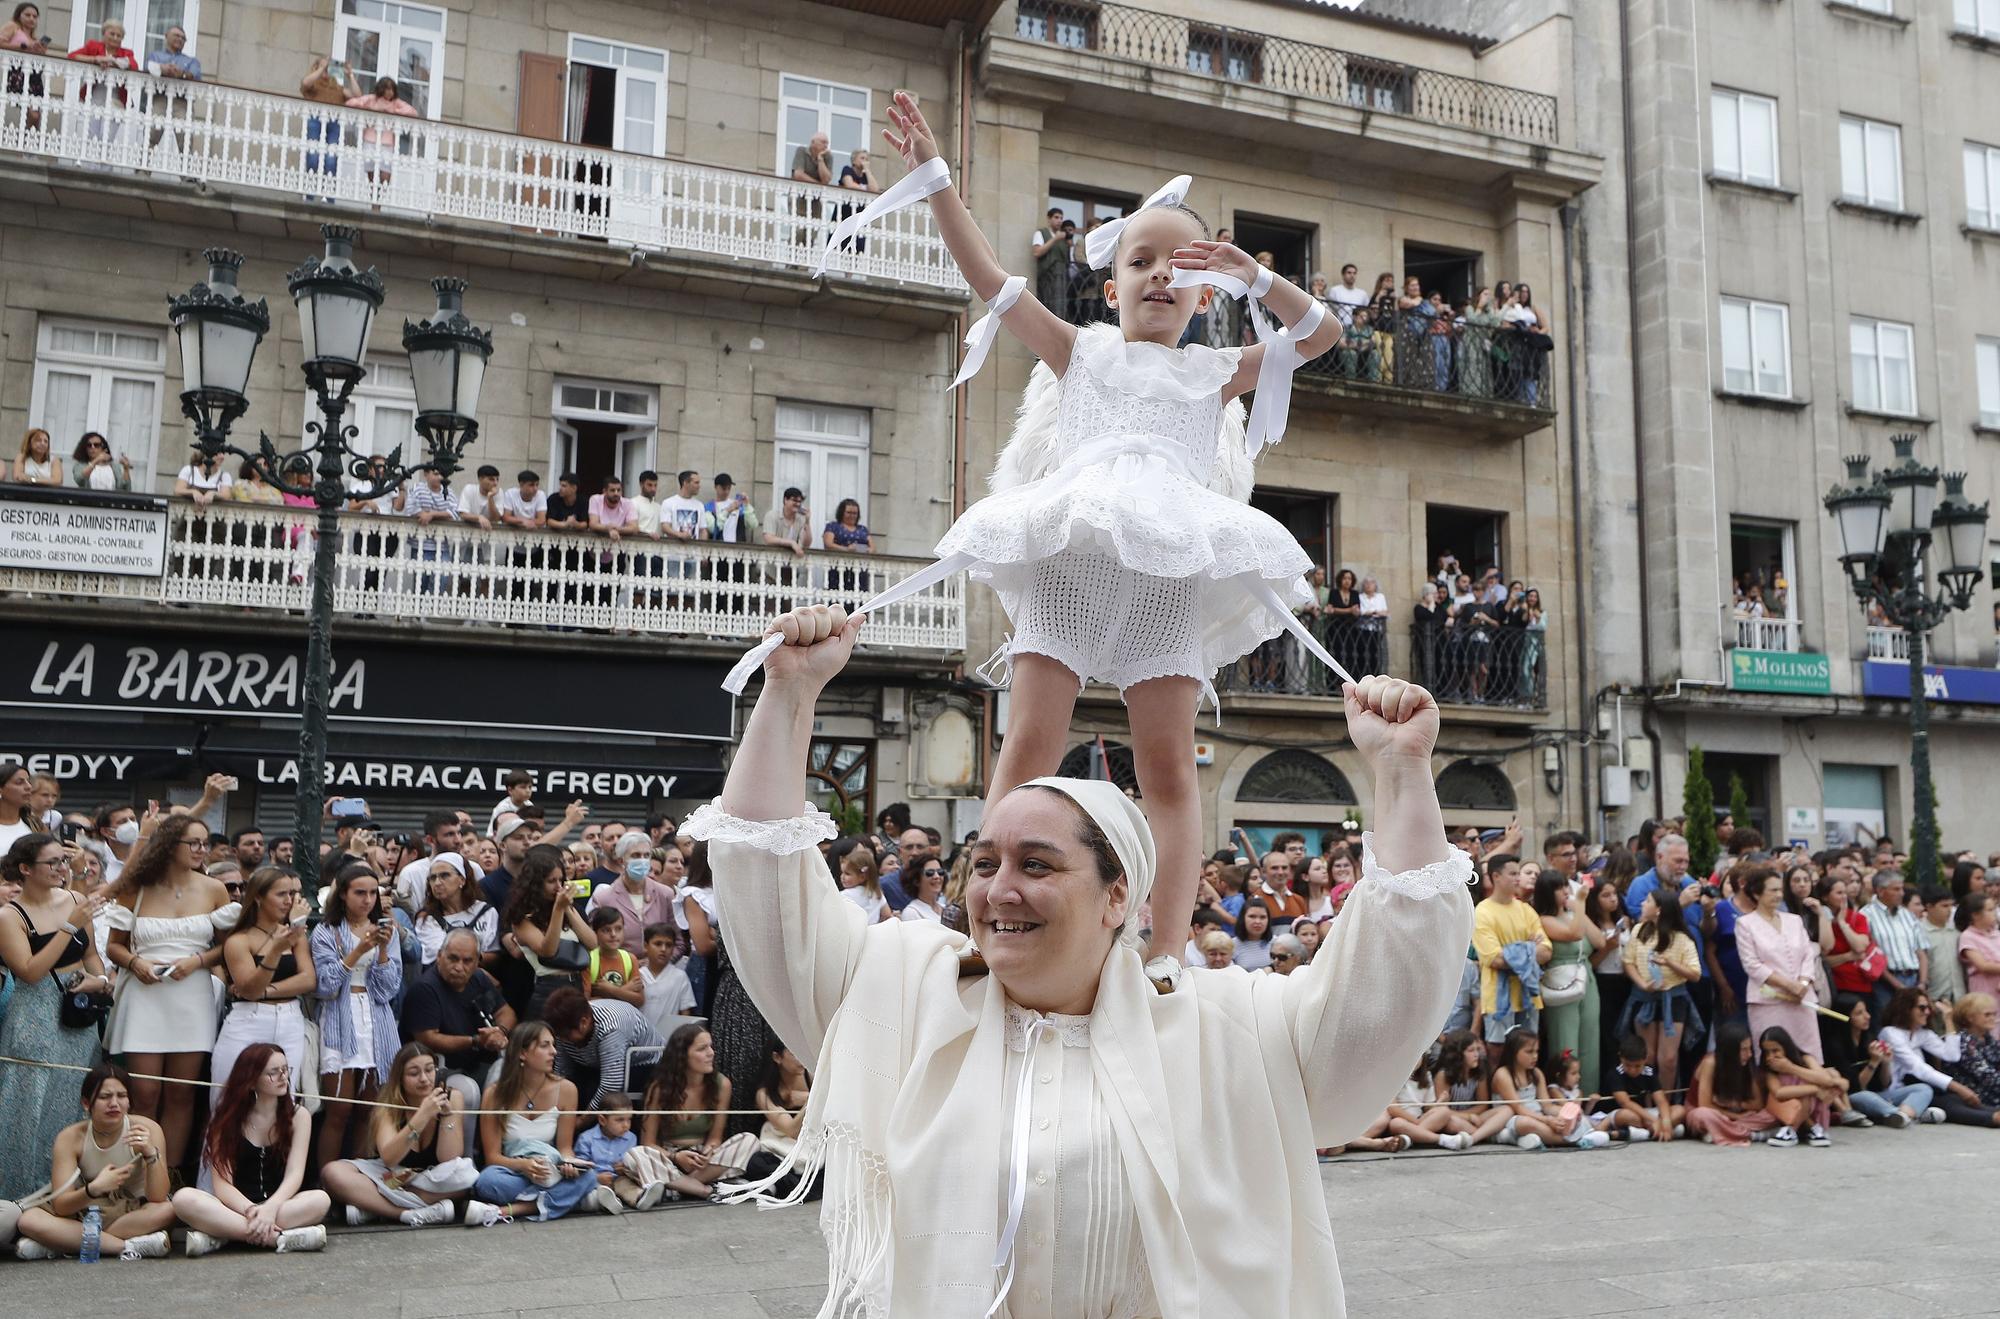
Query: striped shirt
{"type": "Point", "coordinates": [1899, 933]}
{"type": "Point", "coordinates": [619, 1027]}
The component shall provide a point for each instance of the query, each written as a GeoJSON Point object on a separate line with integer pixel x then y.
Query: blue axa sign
{"type": "Point", "coordinates": [1963, 686]}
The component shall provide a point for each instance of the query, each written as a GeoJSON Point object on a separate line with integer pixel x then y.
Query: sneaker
{"type": "Point", "coordinates": [1595, 1140]}
{"type": "Point", "coordinates": [441, 1212]}
{"type": "Point", "coordinates": [480, 1214]}
{"type": "Point", "coordinates": [1638, 1135]}
{"type": "Point", "coordinates": [1853, 1117]}
{"type": "Point", "coordinates": [650, 1195]}
{"type": "Point", "coordinates": [33, 1250]}
{"type": "Point", "coordinates": [1455, 1141]}
{"type": "Point", "coordinates": [1933, 1115]}
{"type": "Point", "coordinates": [1816, 1136]}
{"type": "Point", "coordinates": [1506, 1136]}
{"type": "Point", "coordinates": [358, 1217]}
{"type": "Point", "coordinates": [1680, 1129]}
{"type": "Point", "coordinates": [151, 1246]}
{"type": "Point", "coordinates": [1530, 1142]}
{"type": "Point", "coordinates": [201, 1243]}
{"type": "Point", "coordinates": [605, 1201]}
{"type": "Point", "coordinates": [1898, 1119]}
{"type": "Point", "coordinates": [293, 1240]}
{"type": "Point", "coordinates": [1782, 1139]}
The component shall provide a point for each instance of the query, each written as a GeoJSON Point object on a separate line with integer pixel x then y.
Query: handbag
{"type": "Point", "coordinates": [84, 1011]}
{"type": "Point", "coordinates": [1874, 963]}
{"type": "Point", "coordinates": [570, 956]}
{"type": "Point", "coordinates": [1563, 984]}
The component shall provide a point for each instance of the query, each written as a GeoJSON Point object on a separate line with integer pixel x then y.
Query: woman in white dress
{"type": "Point", "coordinates": [37, 463]}
{"type": "Point", "coordinates": [965, 1104]}
{"type": "Point", "coordinates": [167, 920]}
{"type": "Point", "coordinates": [926, 890]}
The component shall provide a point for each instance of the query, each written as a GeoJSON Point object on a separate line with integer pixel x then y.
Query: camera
{"type": "Point", "coordinates": [1711, 890]}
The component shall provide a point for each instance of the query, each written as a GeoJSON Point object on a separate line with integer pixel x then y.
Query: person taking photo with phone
{"type": "Point", "coordinates": [360, 973]}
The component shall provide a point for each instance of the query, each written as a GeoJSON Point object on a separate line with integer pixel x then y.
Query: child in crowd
{"type": "Point", "coordinates": [1418, 1120]}
{"type": "Point", "coordinates": [1629, 1087]}
{"type": "Point", "coordinates": [609, 1148]}
{"type": "Point", "coordinates": [612, 972]}
{"type": "Point", "coordinates": [1798, 1088]}
{"type": "Point", "coordinates": [1459, 1083]}
{"type": "Point", "coordinates": [668, 992]}
{"type": "Point", "coordinates": [1519, 1087]}
{"type": "Point", "coordinates": [1573, 1107]}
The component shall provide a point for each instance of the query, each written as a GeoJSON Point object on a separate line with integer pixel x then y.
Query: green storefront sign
{"type": "Point", "coordinates": [1780, 671]}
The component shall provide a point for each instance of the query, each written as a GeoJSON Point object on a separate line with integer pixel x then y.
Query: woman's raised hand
{"type": "Point", "coordinates": [911, 137]}
{"type": "Point", "coordinates": [1206, 254]}
{"type": "Point", "coordinates": [1388, 717]}
{"type": "Point", "coordinates": [818, 641]}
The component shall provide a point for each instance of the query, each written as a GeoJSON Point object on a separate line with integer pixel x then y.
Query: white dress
{"type": "Point", "coordinates": [1123, 561]}
{"type": "Point", "coordinates": [173, 1016]}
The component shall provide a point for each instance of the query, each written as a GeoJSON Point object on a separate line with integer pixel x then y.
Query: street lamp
{"type": "Point", "coordinates": [1901, 510]}
{"type": "Point", "coordinates": [219, 330]}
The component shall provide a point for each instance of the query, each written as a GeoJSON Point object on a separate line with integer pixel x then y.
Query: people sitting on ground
{"type": "Point", "coordinates": [456, 1011]}
{"type": "Point", "coordinates": [1518, 1084]}
{"type": "Point", "coordinates": [253, 1165]}
{"type": "Point", "coordinates": [1413, 1119]}
{"type": "Point", "coordinates": [1802, 1092]}
{"type": "Point", "coordinates": [1460, 1083]}
{"type": "Point", "coordinates": [270, 971]}
{"type": "Point", "coordinates": [110, 1162]}
{"type": "Point", "coordinates": [629, 1175]}
{"type": "Point", "coordinates": [782, 1094]}
{"type": "Point", "coordinates": [668, 993]}
{"type": "Point", "coordinates": [526, 1135]}
{"type": "Point", "coordinates": [1975, 1018]}
{"type": "Point", "coordinates": [419, 1136]}
{"type": "Point", "coordinates": [1726, 1102]}
{"type": "Point", "coordinates": [687, 1102]}
{"type": "Point", "coordinates": [612, 972]}
{"type": "Point", "coordinates": [360, 973]}
{"type": "Point", "coordinates": [1915, 1051]}
{"type": "Point", "coordinates": [1632, 1097]}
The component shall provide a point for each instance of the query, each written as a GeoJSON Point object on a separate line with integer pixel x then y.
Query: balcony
{"type": "Point", "coordinates": [1495, 668]}
{"type": "Point", "coordinates": [1198, 75]}
{"type": "Point", "coordinates": [1888, 643]}
{"type": "Point", "coordinates": [1766, 633]}
{"type": "Point", "coordinates": [250, 557]}
{"type": "Point", "coordinates": [217, 137]}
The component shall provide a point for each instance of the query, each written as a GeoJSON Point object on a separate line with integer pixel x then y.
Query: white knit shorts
{"type": "Point", "coordinates": [1106, 623]}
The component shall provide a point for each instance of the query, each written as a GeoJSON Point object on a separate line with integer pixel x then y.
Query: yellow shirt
{"type": "Point", "coordinates": [1494, 926]}
{"type": "Point", "coordinates": [1679, 954]}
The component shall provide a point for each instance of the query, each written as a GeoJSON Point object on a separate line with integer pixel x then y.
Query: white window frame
{"type": "Point", "coordinates": [1872, 6]}
{"type": "Point", "coordinates": [626, 75]}
{"type": "Point", "coordinates": [1757, 351]}
{"type": "Point", "coordinates": [1986, 366]}
{"type": "Point", "coordinates": [825, 111]}
{"type": "Point", "coordinates": [387, 385]}
{"type": "Point", "coordinates": [390, 31]}
{"type": "Point", "coordinates": [1729, 148]}
{"type": "Point", "coordinates": [103, 370]}
{"type": "Point", "coordinates": [138, 17]}
{"type": "Point", "coordinates": [1868, 375]}
{"type": "Point", "coordinates": [639, 437]}
{"type": "Point", "coordinates": [1982, 184]}
{"type": "Point", "coordinates": [1788, 553]}
{"type": "Point", "coordinates": [1981, 18]}
{"type": "Point", "coordinates": [1862, 142]}
{"type": "Point", "coordinates": [793, 430]}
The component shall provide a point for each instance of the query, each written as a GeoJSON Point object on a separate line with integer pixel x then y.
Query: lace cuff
{"type": "Point", "coordinates": [778, 837]}
{"type": "Point", "coordinates": [1434, 880]}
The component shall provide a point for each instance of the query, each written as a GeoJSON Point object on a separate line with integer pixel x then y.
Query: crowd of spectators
{"type": "Point", "coordinates": [508, 1018]}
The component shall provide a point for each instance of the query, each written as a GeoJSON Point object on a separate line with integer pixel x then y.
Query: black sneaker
{"type": "Point", "coordinates": [1816, 1136]}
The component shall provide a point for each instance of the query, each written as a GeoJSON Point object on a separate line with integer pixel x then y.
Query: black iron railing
{"type": "Point", "coordinates": [1281, 665]}
{"type": "Point", "coordinates": [1476, 661]}
{"type": "Point", "coordinates": [1296, 68]}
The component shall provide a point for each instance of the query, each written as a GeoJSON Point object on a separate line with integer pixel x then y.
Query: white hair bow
{"type": "Point", "coordinates": [1101, 243]}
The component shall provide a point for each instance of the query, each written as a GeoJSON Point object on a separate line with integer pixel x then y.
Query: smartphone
{"type": "Point", "coordinates": [69, 831]}
{"type": "Point", "coordinates": [580, 887]}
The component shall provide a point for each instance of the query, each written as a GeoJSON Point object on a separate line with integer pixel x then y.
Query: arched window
{"type": "Point", "coordinates": [1076, 765]}
{"type": "Point", "coordinates": [1295, 776]}
{"type": "Point", "coordinates": [1467, 785]}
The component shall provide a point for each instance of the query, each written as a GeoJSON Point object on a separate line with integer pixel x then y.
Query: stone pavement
{"type": "Point", "coordinates": [1682, 1232]}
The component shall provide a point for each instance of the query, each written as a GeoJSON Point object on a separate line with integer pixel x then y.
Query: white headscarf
{"type": "Point", "coordinates": [452, 859]}
{"type": "Point", "coordinates": [1124, 828]}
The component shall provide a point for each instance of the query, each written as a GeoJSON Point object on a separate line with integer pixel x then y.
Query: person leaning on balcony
{"type": "Point", "coordinates": [790, 524]}
{"type": "Point", "coordinates": [108, 52]}
{"type": "Point", "coordinates": [386, 98]}
{"type": "Point", "coordinates": [37, 463]}
{"type": "Point", "coordinates": [202, 480]}
{"type": "Point", "coordinates": [93, 468]}
{"type": "Point", "coordinates": [250, 486]}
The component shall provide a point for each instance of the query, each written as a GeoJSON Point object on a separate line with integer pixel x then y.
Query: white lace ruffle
{"type": "Point", "coordinates": [778, 837]}
{"type": "Point", "coordinates": [1153, 371]}
{"type": "Point", "coordinates": [1072, 1031]}
{"type": "Point", "coordinates": [1434, 880]}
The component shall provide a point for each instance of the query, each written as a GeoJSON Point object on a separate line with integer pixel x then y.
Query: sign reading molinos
{"type": "Point", "coordinates": [53, 530]}
{"type": "Point", "coordinates": [466, 689]}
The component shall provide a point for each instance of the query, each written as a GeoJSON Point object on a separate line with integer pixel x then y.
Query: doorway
{"type": "Point", "coordinates": [1289, 243]}
{"type": "Point", "coordinates": [600, 429]}
{"type": "Point", "coordinates": [1470, 535]}
{"type": "Point", "coordinates": [1442, 269]}
{"type": "Point", "coordinates": [615, 97]}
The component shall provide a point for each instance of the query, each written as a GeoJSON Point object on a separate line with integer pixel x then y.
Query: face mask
{"type": "Point", "coordinates": [127, 833]}
{"type": "Point", "coordinates": [638, 867]}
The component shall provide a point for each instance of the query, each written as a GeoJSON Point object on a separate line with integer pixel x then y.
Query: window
{"type": "Point", "coordinates": [600, 429]}
{"type": "Point", "coordinates": [1982, 185]}
{"type": "Point", "coordinates": [1756, 348]}
{"type": "Point", "coordinates": [1231, 55]}
{"type": "Point", "coordinates": [1884, 366]}
{"type": "Point", "coordinates": [1373, 85]}
{"type": "Point", "coordinates": [1871, 163]}
{"type": "Point", "coordinates": [1469, 536]}
{"type": "Point", "coordinates": [146, 22]}
{"type": "Point", "coordinates": [1072, 25]}
{"type": "Point", "coordinates": [1745, 133]}
{"type": "Point", "coordinates": [1979, 17]}
{"type": "Point", "coordinates": [1310, 518]}
{"type": "Point", "coordinates": [1986, 352]}
{"type": "Point", "coordinates": [1872, 6]}
{"type": "Point", "coordinates": [96, 376]}
{"type": "Point", "coordinates": [807, 106]}
{"type": "Point", "coordinates": [395, 39]}
{"type": "Point", "coordinates": [1760, 571]}
{"type": "Point", "coordinates": [823, 451]}
{"type": "Point", "coordinates": [617, 96]}
{"type": "Point", "coordinates": [1854, 804]}
{"type": "Point", "coordinates": [384, 411]}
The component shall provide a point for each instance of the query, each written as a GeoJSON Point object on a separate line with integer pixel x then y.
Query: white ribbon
{"type": "Point", "coordinates": [1101, 243]}
{"type": "Point", "coordinates": [1017, 1156]}
{"type": "Point", "coordinates": [934, 175]}
{"type": "Point", "coordinates": [979, 339]}
{"type": "Point", "coordinates": [1273, 404]}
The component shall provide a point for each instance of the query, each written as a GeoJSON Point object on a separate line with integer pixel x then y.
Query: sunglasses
{"type": "Point", "coordinates": [932, 872]}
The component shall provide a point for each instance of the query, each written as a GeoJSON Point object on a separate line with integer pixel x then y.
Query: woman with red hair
{"type": "Point", "coordinates": [253, 1164]}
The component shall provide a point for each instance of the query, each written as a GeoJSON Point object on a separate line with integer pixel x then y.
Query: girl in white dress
{"type": "Point", "coordinates": [1116, 533]}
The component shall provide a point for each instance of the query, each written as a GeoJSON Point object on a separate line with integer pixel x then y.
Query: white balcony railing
{"type": "Point", "coordinates": [1767, 633]}
{"type": "Point", "coordinates": [208, 133]}
{"type": "Point", "coordinates": [247, 556]}
{"type": "Point", "coordinates": [1888, 643]}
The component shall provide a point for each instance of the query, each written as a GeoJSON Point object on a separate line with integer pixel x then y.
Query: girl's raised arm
{"type": "Point", "coordinates": [1046, 334]}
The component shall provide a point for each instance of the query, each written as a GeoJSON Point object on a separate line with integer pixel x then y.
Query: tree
{"type": "Point", "coordinates": [1739, 801]}
{"type": "Point", "coordinates": [1698, 804]}
{"type": "Point", "coordinates": [1923, 883]}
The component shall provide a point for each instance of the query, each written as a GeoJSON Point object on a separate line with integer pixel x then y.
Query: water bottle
{"type": "Point", "coordinates": [93, 1228]}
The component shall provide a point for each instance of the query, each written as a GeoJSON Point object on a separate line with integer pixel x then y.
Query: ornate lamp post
{"type": "Point", "coordinates": [1901, 509]}
{"type": "Point", "coordinates": [219, 330]}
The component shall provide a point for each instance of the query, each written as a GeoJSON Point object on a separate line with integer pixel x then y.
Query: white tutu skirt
{"type": "Point", "coordinates": [1125, 569]}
